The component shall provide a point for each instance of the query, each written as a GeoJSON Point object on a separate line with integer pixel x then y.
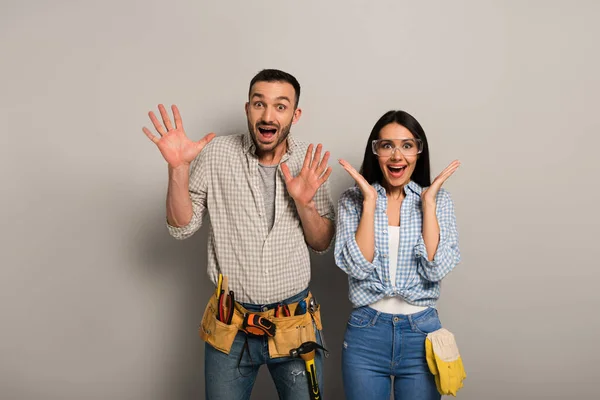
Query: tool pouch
{"type": "Point", "coordinates": [214, 332]}
{"type": "Point", "coordinates": [293, 331]}
{"type": "Point", "coordinates": [290, 332]}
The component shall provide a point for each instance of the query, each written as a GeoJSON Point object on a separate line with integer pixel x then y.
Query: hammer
{"type": "Point", "coordinates": [307, 351]}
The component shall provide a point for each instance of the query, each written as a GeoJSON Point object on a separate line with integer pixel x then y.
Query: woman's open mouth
{"type": "Point", "coordinates": [396, 171]}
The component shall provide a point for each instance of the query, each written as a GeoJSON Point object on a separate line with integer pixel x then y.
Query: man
{"type": "Point", "coordinates": [268, 202]}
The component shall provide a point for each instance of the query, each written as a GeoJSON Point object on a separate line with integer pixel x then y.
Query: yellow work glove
{"type": "Point", "coordinates": [444, 361]}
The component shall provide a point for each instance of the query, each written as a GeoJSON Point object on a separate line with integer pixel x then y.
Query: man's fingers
{"type": "Point", "coordinates": [325, 176]}
{"type": "Point", "coordinates": [165, 117]}
{"type": "Point", "coordinates": [286, 172]}
{"type": "Point", "coordinates": [150, 135]}
{"type": "Point", "coordinates": [157, 125]}
{"type": "Point", "coordinates": [205, 140]}
{"type": "Point", "coordinates": [323, 163]}
{"type": "Point", "coordinates": [315, 160]}
{"type": "Point", "coordinates": [177, 117]}
{"type": "Point", "coordinates": [307, 157]}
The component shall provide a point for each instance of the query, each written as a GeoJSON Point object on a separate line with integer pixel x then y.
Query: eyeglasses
{"type": "Point", "coordinates": [387, 147]}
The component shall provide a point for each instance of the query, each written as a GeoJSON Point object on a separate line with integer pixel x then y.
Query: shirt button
{"type": "Point", "coordinates": [385, 256]}
{"type": "Point", "coordinates": [266, 272]}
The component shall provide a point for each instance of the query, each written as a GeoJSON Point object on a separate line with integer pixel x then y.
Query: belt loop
{"type": "Point", "coordinates": [374, 321]}
{"type": "Point", "coordinates": [412, 323]}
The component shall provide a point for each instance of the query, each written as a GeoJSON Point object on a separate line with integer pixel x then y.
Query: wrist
{"type": "Point", "coordinates": [429, 205]}
{"type": "Point", "coordinates": [183, 167]}
{"type": "Point", "coordinates": [369, 204]}
{"type": "Point", "coordinates": [305, 206]}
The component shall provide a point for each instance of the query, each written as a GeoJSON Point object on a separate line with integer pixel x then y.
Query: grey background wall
{"type": "Point", "coordinates": [98, 302]}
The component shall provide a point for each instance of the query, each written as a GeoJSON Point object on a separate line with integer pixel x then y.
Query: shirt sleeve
{"type": "Point", "coordinates": [447, 255]}
{"type": "Point", "coordinates": [348, 256]}
{"type": "Point", "coordinates": [198, 193]}
{"type": "Point", "coordinates": [325, 208]}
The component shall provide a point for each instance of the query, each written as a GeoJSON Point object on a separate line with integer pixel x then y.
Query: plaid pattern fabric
{"type": "Point", "coordinates": [417, 279]}
{"type": "Point", "coordinates": [263, 266]}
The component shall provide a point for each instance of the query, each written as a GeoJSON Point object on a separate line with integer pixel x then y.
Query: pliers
{"type": "Point", "coordinates": [282, 310]}
{"type": "Point", "coordinates": [226, 307]}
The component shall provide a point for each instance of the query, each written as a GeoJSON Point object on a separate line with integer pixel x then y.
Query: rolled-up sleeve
{"type": "Point", "coordinates": [198, 194]}
{"type": "Point", "coordinates": [348, 256]}
{"type": "Point", "coordinates": [447, 255]}
{"type": "Point", "coordinates": [325, 208]}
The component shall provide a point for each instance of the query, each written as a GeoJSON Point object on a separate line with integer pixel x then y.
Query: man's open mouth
{"type": "Point", "coordinates": [267, 132]}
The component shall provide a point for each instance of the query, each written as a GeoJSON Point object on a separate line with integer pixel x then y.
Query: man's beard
{"type": "Point", "coordinates": [284, 133]}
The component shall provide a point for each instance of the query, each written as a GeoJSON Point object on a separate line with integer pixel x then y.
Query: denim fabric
{"type": "Point", "coordinates": [379, 346]}
{"type": "Point", "coordinates": [225, 381]}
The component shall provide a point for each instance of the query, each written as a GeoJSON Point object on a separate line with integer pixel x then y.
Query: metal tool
{"type": "Point", "coordinates": [300, 308]}
{"type": "Point", "coordinates": [312, 307]}
{"type": "Point", "coordinates": [307, 351]}
{"type": "Point", "coordinates": [282, 310]}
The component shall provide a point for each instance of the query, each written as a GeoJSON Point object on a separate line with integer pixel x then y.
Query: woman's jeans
{"type": "Point", "coordinates": [378, 346]}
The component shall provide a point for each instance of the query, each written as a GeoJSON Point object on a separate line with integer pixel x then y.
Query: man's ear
{"type": "Point", "coordinates": [246, 106]}
{"type": "Point", "coordinates": [297, 114]}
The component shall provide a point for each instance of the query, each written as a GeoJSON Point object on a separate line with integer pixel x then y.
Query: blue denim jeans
{"type": "Point", "coordinates": [379, 346]}
{"type": "Point", "coordinates": [232, 376]}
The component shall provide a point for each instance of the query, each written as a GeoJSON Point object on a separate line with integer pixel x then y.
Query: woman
{"type": "Point", "coordinates": [396, 240]}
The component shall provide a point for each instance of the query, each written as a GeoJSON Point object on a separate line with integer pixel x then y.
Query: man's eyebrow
{"type": "Point", "coordinates": [284, 98]}
{"type": "Point", "coordinates": [261, 96]}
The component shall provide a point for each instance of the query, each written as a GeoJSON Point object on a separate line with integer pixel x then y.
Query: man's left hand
{"type": "Point", "coordinates": [313, 174]}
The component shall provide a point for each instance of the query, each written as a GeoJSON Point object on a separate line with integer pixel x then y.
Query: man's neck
{"type": "Point", "coordinates": [273, 157]}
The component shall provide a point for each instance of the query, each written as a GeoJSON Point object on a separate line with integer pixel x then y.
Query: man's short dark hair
{"type": "Point", "coordinates": [275, 75]}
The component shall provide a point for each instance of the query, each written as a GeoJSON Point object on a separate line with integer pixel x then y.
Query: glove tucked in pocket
{"type": "Point", "coordinates": [444, 361]}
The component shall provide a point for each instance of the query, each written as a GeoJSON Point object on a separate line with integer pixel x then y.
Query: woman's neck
{"type": "Point", "coordinates": [395, 193]}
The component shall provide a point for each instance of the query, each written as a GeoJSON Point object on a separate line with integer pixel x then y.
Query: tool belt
{"type": "Point", "coordinates": [290, 330]}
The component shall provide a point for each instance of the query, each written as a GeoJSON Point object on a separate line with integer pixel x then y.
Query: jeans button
{"type": "Point", "coordinates": [396, 319]}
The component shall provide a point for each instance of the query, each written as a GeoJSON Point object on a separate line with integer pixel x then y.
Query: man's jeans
{"type": "Point", "coordinates": [225, 380]}
{"type": "Point", "coordinates": [378, 346]}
